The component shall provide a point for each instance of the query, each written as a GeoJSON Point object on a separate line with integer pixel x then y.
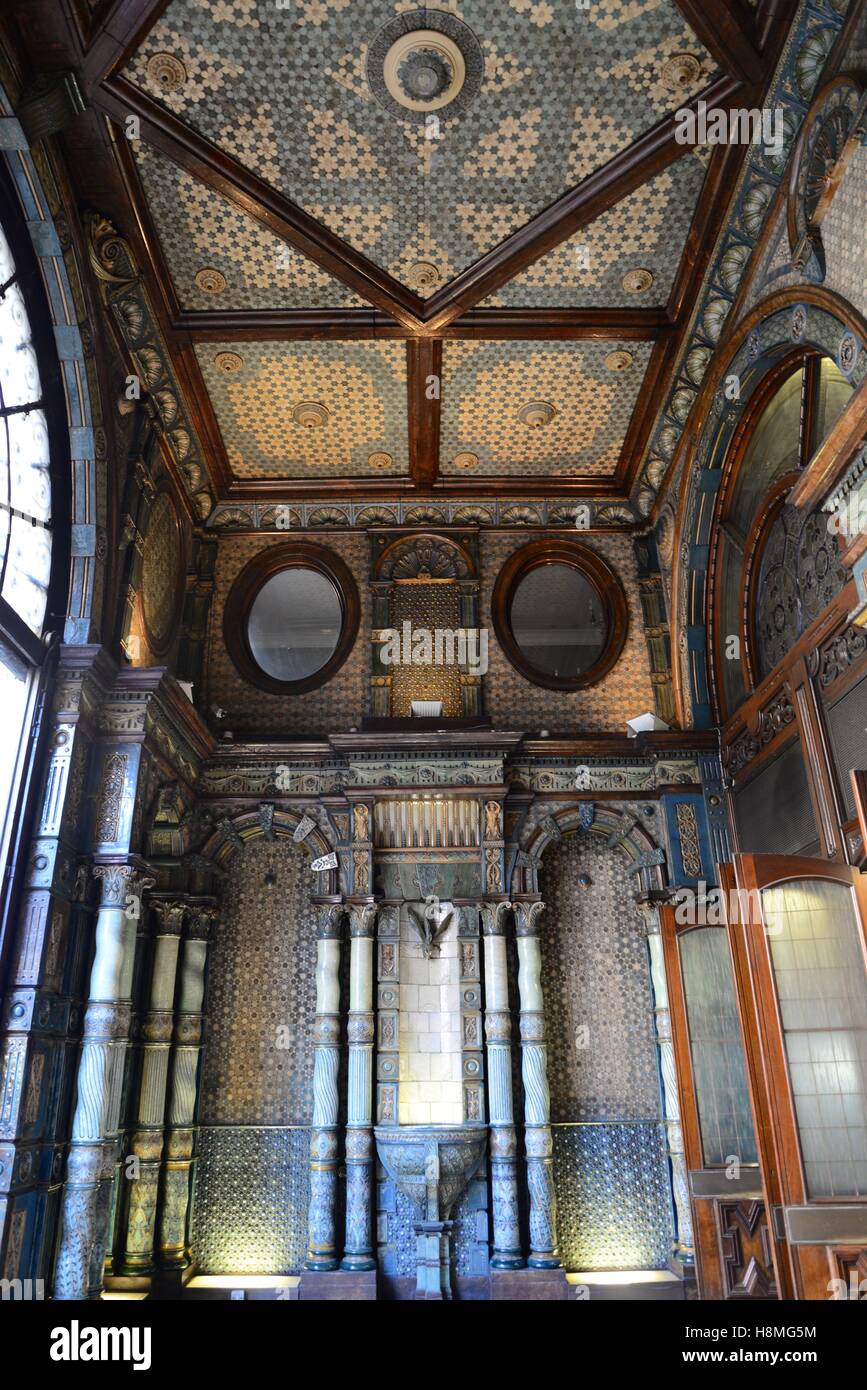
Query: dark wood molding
{"type": "Point", "coordinates": [728, 32]}
{"type": "Point", "coordinates": [294, 554]}
{"type": "Point", "coordinates": [720, 181]}
{"type": "Point", "coordinates": [612, 599]}
{"type": "Point", "coordinates": [116, 32]}
{"type": "Point", "coordinates": [602, 490]}
{"type": "Point", "coordinates": [650, 400]}
{"type": "Point", "coordinates": [424, 372]}
{"type": "Point", "coordinates": [119, 98]}
{"type": "Point", "coordinates": [647, 156]}
{"type": "Point", "coordinates": [287, 325]}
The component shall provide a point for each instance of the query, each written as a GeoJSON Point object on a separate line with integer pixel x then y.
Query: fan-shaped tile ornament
{"type": "Point", "coordinates": [697, 364]}
{"type": "Point", "coordinates": [328, 516]}
{"type": "Point", "coordinates": [234, 518]}
{"type": "Point", "coordinates": [287, 515]}
{"type": "Point", "coordinates": [473, 516]}
{"type": "Point", "coordinates": [426, 516]}
{"type": "Point", "coordinates": [714, 317]}
{"type": "Point", "coordinates": [615, 514]}
{"type": "Point", "coordinates": [646, 499]}
{"type": "Point", "coordinates": [376, 516]}
{"type": "Point", "coordinates": [755, 206]}
{"type": "Point", "coordinates": [681, 404]}
{"type": "Point", "coordinates": [731, 266]}
{"type": "Point", "coordinates": [520, 516]}
{"type": "Point", "coordinates": [654, 473]}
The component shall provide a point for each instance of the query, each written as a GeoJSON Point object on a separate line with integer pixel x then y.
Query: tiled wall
{"type": "Point", "coordinates": [508, 698]}
{"type": "Point", "coordinates": [431, 1090]}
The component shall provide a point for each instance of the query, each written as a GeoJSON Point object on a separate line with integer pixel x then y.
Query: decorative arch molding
{"type": "Point", "coordinates": [231, 835]}
{"type": "Point", "coordinates": [806, 316]}
{"type": "Point", "coordinates": [425, 556]}
{"type": "Point", "coordinates": [615, 824]}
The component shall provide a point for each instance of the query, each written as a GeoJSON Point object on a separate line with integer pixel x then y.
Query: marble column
{"type": "Point", "coordinates": [358, 1247]}
{"type": "Point", "coordinates": [86, 1201]}
{"type": "Point", "coordinates": [537, 1100]}
{"type": "Point", "coordinates": [503, 1140]}
{"type": "Point", "coordinates": [183, 1086]}
{"type": "Point", "coordinates": [142, 1164]}
{"type": "Point", "coordinates": [322, 1249]}
{"type": "Point", "coordinates": [684, 1246]}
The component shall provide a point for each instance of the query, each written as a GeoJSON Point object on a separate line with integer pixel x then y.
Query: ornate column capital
{"type": "Point", "coordinates": [527, 916]}
{"type": "Point", "coordinates": [200, 921]}
{"type": "Point", "coordinates": [494, 917]}
{"type": "Point", "coordinates": [362, 919]}
{"type": "Point", "coordinates": [171, 912]}
{"type": "Point", "coordinates": [329, 921]}
{"type": "Point", "coordinates": [120, 882]}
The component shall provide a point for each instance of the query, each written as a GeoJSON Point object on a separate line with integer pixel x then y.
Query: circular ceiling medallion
{"type": "Point", "coordinates": [619, 361]}
{"type": "Point", "coordinates": [167, 72]}
{"type": "Point", "coordinates": [422, 276]}
{"type": "Point", "coordinates": [424, 62]}
{"type": "Point", "coordinates": [310, 414]}
{"type": "Point", "coordinates": [210, 281]}
{"type": "Point", "coordinates": [637, 281]}
{"type": "Point", "coordinates": [380, 460]}
{"type": "Point", "coordinates": [681, 70]}
{"type": "Point", "coordinates": [466, 460]}
{"type": "Point", "coordinates": [536, 414]}
{"type": "Point", "coordinates": [228, 362]}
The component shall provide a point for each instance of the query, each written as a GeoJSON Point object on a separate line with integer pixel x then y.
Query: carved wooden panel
{"type": "Point", "coordinates": [745, 1250]}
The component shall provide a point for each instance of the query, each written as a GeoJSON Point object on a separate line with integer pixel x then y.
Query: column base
{"type": "Point", "coordinates": [322, 1264]}
{"type": "Point", "coordinates": [358, 1264]}
{"type": "Point", "coordinates": [544, 1262]}
{"type": "Point", "coordinates": [508, 1262]}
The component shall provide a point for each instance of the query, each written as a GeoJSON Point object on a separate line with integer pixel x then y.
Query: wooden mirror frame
{"type": "Point", "coordinates": [604, 581]}
{"type": "Point", "coordinates": [242, 595]}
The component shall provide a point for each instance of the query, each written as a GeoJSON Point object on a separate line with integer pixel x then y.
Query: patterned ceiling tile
{"type": "Point", "coordinates": [485, 384]}
{"type": "Point", "coordinates": [283, 88]}
{"type": "Point", "coordinates": [361, 385]}
{"type": "Point", "coordinates": [647, 230]}
{"type": "Point", "coordinates": [200, 229]}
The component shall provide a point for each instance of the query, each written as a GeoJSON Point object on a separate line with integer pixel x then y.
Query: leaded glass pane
{"type": "Point", "coordinates": [7, 264]}
{"type": "Point", "coordinates": [814, 939]}
{"type": "Point", "coordinates": [30, 480]}
{"type": "Point", "coordinates": [715, 1045]}
{"type": "Point", "coordinates": [28, 566]}
{"type": "Point", "coordinates": [19, 373]}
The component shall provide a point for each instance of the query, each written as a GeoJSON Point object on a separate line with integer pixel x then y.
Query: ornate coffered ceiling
{"type": "Point", "coordinates": [403, 255]}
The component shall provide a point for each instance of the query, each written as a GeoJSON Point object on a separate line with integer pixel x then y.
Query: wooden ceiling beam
{"type": "Point", "coordinates": [603, 489]}
{"type": "Point", "coordinates": [728, 31]}
{"type": "Point", "coordinates": [628, 170]}
{"type": "Point", "coordinates": [219, 171]}
{"type": "Point", "coordinates": [424, 375]}
{"type": "Point", "coordinates": [287, 325]}
{"type": "Point", "coordinates": [116, 35]}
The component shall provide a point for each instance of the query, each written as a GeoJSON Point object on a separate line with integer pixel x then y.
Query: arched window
{"type": "Point", "coordinates": [32, 426]}
{"type": "Point", "coordinates": [774, 568]}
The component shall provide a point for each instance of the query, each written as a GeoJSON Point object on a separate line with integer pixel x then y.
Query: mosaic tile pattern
{"type": "Point", "coordinates": [250, 1200]}
{"type": "Point", "coordinates": [336, 705]}
{"type": "Point", "coordinates": [842, 232]}
{"type": "Point", "coordinates": [283, 89]}
{"type": "Point", "coordinates": [397, 1241]}
{"type": "Point", "coordinates": [362, 385]}
{"type": "Point", "coordinates": [486, 383]}
{"type": "Point", "coordinates": [647, 231]}
{"type": "Point", "coordinates": [198, 228]}
{"type": "Point", "coordinates": [514, 703]}
{"type": "Point", "coordinates": [613, 1197]}
{"type": "Point", "coordinates": [602, 1062]}
{"type": "Point", "coordinates": [258, 1056]}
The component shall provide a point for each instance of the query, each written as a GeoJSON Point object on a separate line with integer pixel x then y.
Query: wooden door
{"type": "Point", "coordinates": [796, 928]}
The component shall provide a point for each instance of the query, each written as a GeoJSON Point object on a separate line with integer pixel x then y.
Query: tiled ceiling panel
{"type": "Point", "coordinates": [201, 231]}
{"type": "Point", "coordinates": [646, 231]}
{"type": "Point", "coordinates": [362, 386]}
{"type": "Point", "coordinates": [486, 384]}
{"type": "Point", "coordinates": [283, 89]}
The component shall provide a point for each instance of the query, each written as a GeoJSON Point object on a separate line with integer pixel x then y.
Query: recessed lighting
{"type": "Point", "coordinates": [619, 361]}
{"type": "Point", "coordinates": [210, 280]}
{"type": "Point", "coordinates": [637, 281]}
{"type": "Point", "coordinates": [536, 414]}
{"type": "Point", "coordinates": [167, 72]}
{"type": "Point", "coordinates": [228, 362]}
{"type": "Point", "coordinates": [311, 414]}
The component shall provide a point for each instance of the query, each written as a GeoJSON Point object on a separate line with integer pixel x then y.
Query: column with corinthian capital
{"type": "Point", "coordinates": [537, 1100]}
{"type": "Point", "coordinates": [183, 1079]}
{"type": "Point", "coordinates": [684, 1246]}
{"type": "Point", "coordinates": [321, 1247]}
{"type": "Point", "coordinates": [504, 1144]}
{"type": "Point", "coordinates": [358, 1247]}
{"type": "Point", "coordinates": [142, 1165]}
{"type": "Point", "coordinates": [86, 1202]}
